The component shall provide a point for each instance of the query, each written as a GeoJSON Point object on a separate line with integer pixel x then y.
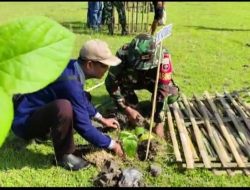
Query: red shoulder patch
{"type": "Point", "coordinates": [166, 70]}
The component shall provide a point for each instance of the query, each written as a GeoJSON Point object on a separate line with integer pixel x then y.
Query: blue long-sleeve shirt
{"type": "Point", "coordinates": [63, 88]}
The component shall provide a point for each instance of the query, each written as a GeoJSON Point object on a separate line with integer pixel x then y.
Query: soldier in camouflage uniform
{"type": "Point", "coordinates": [138, 71]}
{"type": "Point", "coordinates": [109, 19]}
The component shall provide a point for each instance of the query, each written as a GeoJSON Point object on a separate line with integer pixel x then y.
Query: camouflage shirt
{"type": "Point", "coordinates": [135, 74]}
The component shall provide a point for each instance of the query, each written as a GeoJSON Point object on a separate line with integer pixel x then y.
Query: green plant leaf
{"type": "Point", "coordinates": [33, 52]}
{"type": "Point", "coordinates": [145, 136]}
{"type": "Point", "coordinates": [132, 137]}
{"type": "Point", "coordinates": [6, 115]}
{"type": "Point", "coordinates": [139, 131]}
{"type": "Point", "coordinates": [130, 146]}
{"type": "Point", "coordinates": [124, 134]}
{"type": "Point", "coordinates": [129, 142]}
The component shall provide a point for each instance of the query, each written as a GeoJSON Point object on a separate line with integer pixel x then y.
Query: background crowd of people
{"type": "Point", "coordinates": [101, 12]}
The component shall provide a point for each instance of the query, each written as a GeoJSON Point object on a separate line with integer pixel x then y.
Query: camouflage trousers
{"type": "Point", "coordinates": [109, 18]}
{"type": "Point", "coordinates": [166, 95]}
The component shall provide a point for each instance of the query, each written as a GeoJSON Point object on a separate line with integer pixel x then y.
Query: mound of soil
{"type": "Point", "coordinates": [155, 170]}
{"type": "Point", "coordinates": [142, 149]}
{"type": "Point", "coordinates": [109, 176]}
{"type": "Point", "coordinates": [123, 120]}
{"type": "Point", "coordinates": [113, 176]}
{"type": "Point", "coordinates": [94, 155]}
{"type": "Point", "coordinates": [131, 177]}
{"type": "Point", "coordinates": [120, 117]}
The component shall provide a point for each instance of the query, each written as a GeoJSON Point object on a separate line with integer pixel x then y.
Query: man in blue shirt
{"type": "Point", "coordinates": [63, 106]}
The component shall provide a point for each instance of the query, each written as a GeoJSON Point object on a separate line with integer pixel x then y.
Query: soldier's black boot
{"type": "Point", "coordinates": [124, 32]}
{"type": "Point", "coordinates": [124, 28]}
{"type": "Point", "coordinates": [111, 29]}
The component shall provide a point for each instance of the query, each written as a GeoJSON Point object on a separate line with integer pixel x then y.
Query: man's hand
{"type": "Point", "coordinates": [110, 122]}
{"type": "Point", "coordinates": [133, 115]}
{"type": "Point", "coordinates": [118, 150]}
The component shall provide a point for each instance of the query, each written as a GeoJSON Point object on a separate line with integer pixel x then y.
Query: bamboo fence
{"type": "Point", "coordinates": [211, 132]}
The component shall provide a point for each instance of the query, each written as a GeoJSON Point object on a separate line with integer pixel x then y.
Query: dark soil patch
{"type": "Point", "coordinates": [153, 149]}
{"type": "Point", "coordinates": [113, 176]}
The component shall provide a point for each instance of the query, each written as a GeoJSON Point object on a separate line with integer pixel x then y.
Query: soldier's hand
{"type": "Point", "coordinates": [118, 150]}
{"type": "Point", "coordinates": [133, 115]}
{"type": "Point", "coordinates": [110, 122]}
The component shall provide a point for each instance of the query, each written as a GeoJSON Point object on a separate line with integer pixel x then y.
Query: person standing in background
{"type": "Point", "coordinates": [94, 15]}
{"type": "Point", "coordinates": [159, 13]}
{"type": "Point", "coordinates": [109, 17]}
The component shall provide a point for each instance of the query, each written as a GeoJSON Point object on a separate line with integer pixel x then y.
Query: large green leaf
{"type": "Point", "coordinates": [124, 134]}
{"type": "Point", "coordinates": [33, 52]}
{"type": "Point", "coordinates": [6, 116]}
{"type": "Point", "coordinates": [139, 131]}
{"type": "Point", "coordinates": [130, 146]}
{"type": "Point", "coordinates": [129, 143]}
{"type": "Point", "coordinates": [146, 136]}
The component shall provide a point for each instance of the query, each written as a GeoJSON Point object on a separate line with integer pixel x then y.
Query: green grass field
{"type": "Point", "coordinates": [209, 52]}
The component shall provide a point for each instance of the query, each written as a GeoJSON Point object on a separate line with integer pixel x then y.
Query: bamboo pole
{"type": "Point", "coordinates": [196, 112]}
{"type": "Point", "coordinates": [209, 114]}
{"type": "Point", "coordinates": [185, 145]}
{"type": "Point", "coordinates": [197, 133]}
{"type": "Point", "coordinates": [225, 132]}
{"type": "Point", "coordinates": [212, 121]}
{"type": "Point", "coordinates": [195, 155]}
{"type": "Point", "coordinates": [208, 109]}
{"type": "Point", "coordinates": [246, 149]}
{"type": "Point", "coordinates": [154, 99]}
{"type": "Point", "coordinates": [94, 87]}
{"type": "Point", "coordinates": [204, 132]}
{"type": "Point", "coordinates": [127, 13]}
{"type": "Point", "coordinates": [244, 158]}
{"type": "Point", "coordinates": [222, 140]}
{"type": "Point", "coordinates": [118, 25]}
{"type": "Point", "coordinates": [240, 129]}
{"type": "Point", "coordinates": [219, 172]}
{"type": "Point", "coordinates": [244, 104]}
{"type": "Point", "coordinates": [143, 9]}
{"type": "Point", "coordinates": [214, 124]}
{"type": "Point", "coordinates": [147, 16]}
{"type": "Point", "coordinates": [247, 172]}
{"type": "Point", "coordinates": [137, 11]}
{"type": "Point", "coordinates": [183, 109]}
{"type": "Point", "coordinates": [243, 115]}
{"type": "Point", "coordinates": [233, 135]}
{"type": "Point", "coordinates": [173, 136]}
{"type": "Point", "coordinates": [192, 139]}
{"type": "Point", "coordinates": [209, 148]}
{"type": "Point", "coordinates": [231, 165]}
{"type": "Point", "coordinates": [133, 7]}
{"type": "Point", "coordinates": [213, 135]}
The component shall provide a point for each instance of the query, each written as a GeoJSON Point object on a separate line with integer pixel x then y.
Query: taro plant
{"type": "Point", "coordinates": [129, 143]}
{"type": "Point", "coordinates": [131, 139]}
{"type": "Point", "coordinates": [33, 53]}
